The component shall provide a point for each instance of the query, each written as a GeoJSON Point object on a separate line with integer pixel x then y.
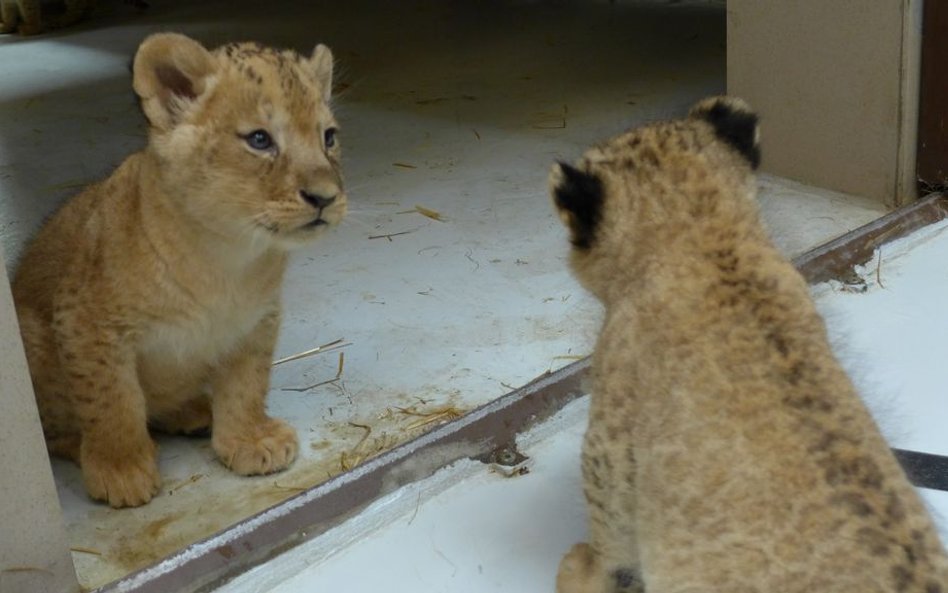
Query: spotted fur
{"type": "Point", "coordinates": [726, 451]}
{"type": "Point", "coordinates": [153, 297]}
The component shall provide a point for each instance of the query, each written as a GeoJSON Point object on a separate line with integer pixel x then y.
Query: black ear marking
{"type": "Point", "coordinates": [735, 125]}
{"type": "Point", "coordinates": [581, 195]}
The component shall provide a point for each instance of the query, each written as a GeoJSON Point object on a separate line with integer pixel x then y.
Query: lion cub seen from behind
{"type": "Point", "coordinates": [153, 297]}
{"type": "Point", "coordinates": [726, 451]}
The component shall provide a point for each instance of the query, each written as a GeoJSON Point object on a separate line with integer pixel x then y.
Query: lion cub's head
{"type": "Point", "coordinates": [635, 195]}
{"type": "Point", "coordinates": [244, 136]}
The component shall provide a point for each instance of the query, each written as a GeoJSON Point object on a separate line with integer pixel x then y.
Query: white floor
{"type": "Point", "coordinates": [487, 532]}
{"type": "Point", "coordinates": [892, 337]}
{"type": "Point", "coordinates": [479, 530]}
{"type": "Point", "coordinates": [450, 106]}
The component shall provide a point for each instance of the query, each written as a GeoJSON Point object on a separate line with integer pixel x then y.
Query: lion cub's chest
{"type": "Point", "coordinates": [200, 334]}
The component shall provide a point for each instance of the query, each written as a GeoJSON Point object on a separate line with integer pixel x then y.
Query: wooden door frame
{"type": "Point", "coordinates": [932, 152]}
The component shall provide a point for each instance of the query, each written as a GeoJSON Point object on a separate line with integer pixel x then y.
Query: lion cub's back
{"type": "Point", "coordinates": [722, 427]}
{"type": "Point", "coordinates": [48, 257]}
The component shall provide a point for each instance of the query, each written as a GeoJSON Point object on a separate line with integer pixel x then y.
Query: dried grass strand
{"type": "Point", "coordinates": [334, 345]}
{"type": "Point", "coordinates": [82, 550]}
{"type": "Point", "coordinates": [339, 369]}
{"type": "Point", "coordinates": [426, 418]}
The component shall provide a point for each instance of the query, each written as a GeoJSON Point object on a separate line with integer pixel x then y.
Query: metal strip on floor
{"type": "Point", "coordinates": [925, 470]}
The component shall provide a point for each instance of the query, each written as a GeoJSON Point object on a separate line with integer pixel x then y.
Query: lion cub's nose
{"type": "Point", "coordinates": [316, 199]}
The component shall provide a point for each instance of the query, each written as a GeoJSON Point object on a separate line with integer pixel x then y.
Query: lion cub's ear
{"type": "Point", "coordinates": [170, 72]}
{"type": "Point", "coordinates": [734, 122]}
{"type": "Point", "coordinates": [578, 197]}
{"type": "Point", "coordinates": [321, 62]}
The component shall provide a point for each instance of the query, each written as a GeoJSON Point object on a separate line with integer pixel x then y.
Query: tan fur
{"type": "Point", "coordinates": [154, 296]}
{"type": "Point", "coordinates": [726, 450]}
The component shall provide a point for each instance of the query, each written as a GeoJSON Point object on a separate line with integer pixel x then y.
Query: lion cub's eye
{"type": "Point", "coordinates": [259, 140]}
{"type": "Point", "coordinates": [329, 137]}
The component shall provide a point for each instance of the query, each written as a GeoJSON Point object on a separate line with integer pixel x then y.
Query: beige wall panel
{"type": "Point", "coordinates": [34, 555]}
{"type": "Point", "coordinates": [827, 79]}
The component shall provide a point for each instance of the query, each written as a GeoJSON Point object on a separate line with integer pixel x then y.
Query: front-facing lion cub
{"type": "Point", "coordinates": [727, 451]}
{"type": "Point", "coordinates": [153, 297]}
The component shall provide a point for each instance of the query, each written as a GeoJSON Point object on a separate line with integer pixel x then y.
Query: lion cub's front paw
{"type": "Point", "coordinates": [120, 477]}
{"type": "Point", "coordinates": [262, 449]}
{"type": "Point", "coordinates": [577, 572]}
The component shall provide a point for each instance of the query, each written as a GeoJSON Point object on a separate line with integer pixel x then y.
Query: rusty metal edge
{"type": "Point", "coordinates": [211, 562]}
{"type": "Point", "coordinates": [835, 258]}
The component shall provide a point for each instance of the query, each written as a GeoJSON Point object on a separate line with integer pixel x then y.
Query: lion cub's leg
{"type": "Point", "coordinates": [609, 563]}
{"type": "Point", "coordinates": [247, 440]}
{"type": "Point", "coordinates": [60, 426]}
{"type": "Point", "coordinates": [31, 18]}
{"type": "Point", "coordinates": [116, 454]}
{"type": "Point", "coordinates": [580, 572]}
{"type": "Point", "coordinates": [585, 569]}
{"type": "Point", "coordinates": [9, 16]}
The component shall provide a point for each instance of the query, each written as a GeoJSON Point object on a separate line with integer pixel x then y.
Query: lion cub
{"type": "Point", "coordinates": [726, 450]}
{"type": "Point", "coordinates": [153, 297]}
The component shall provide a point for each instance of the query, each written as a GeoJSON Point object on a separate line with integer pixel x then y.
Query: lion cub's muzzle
{"type": "Point", "coordinates": [329, 209]}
